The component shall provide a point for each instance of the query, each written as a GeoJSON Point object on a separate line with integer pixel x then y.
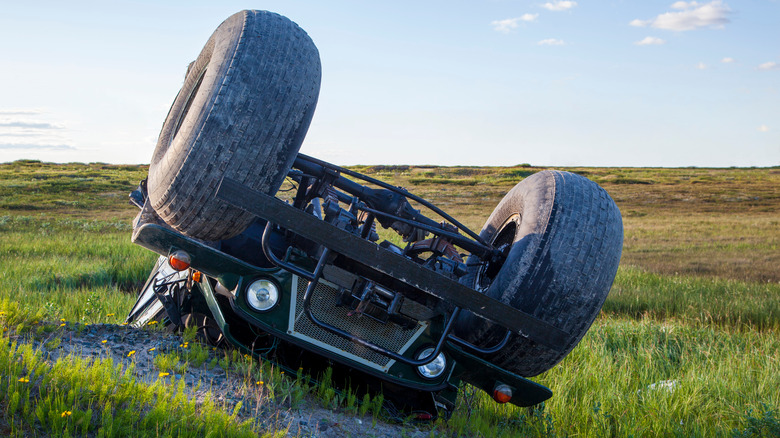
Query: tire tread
{"type": "Point", "coordinates": [574, 262]}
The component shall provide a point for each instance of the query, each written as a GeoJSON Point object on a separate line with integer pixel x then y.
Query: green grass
{"type": "Point", "coordinates": [645, 377]}
{"type": "Point", "coordinates": [695, 301]}
{"type": "Point", "coordinates": [80, 190]}
{"type": "Point", "coordinates": [695, 310]}
{"type": "Point", "coordinates": [98, 397]}
{"type": "Point", "coordinates": [80, 397]}
{"type": "Point", "coordinates": [71, 269]}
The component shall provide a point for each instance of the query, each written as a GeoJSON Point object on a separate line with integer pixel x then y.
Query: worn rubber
{"type": "Point", "coordinates": [562, 262]}
{"type": "Point", "coordinates": [243, 111]}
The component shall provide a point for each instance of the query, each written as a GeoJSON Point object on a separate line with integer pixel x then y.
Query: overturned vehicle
{"type": "Point", "coordinates": [301, 276]}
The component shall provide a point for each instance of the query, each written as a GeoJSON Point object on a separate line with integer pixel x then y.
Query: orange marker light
{"type": "Point", "coordinates": [179, 260]}
{"type": "Point", "coordinates": [502, 393]}
{"type": "Point", "coordinates": [196, 276]}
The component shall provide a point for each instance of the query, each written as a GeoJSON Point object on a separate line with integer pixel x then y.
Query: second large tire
{"type": "Point", "coordinates": [243, 111]}
{"type": "Point", "coordinates": [564, 237]}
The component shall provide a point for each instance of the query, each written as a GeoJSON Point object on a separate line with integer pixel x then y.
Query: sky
{"type": "Point", "coordinates": [495, 82]}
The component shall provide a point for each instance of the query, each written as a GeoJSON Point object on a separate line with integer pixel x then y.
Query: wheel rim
{"type": "Point", "coordinates": [206, 328]}
{"type": "Point", "coordinates": [502, 241]}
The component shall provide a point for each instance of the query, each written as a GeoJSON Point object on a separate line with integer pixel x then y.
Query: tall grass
{"type": "Point", "coordinates": [694, 300]}
{"type": "Point", "coordinates": [646, 378]}
{"type": "Point", "coordinates": [96, 397]}
{"type": "Point", "coordinates": [71, 269]}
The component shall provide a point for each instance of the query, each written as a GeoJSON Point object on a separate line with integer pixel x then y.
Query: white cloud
{"type": "Point", "coordinates": [701, 66]}
{"type": "Point", "coordinates": [36, 146]}
{"type": "Point", "coordinates": [691, 16]}
{"type": "Point", "coordinates": [27, 119]}
{"type": "Point", "coordinates": [28, 129]}
{"type": "Point", "coordinates": [684, 5]}
{"type": "Point", "coordinates": [763, 128]}
{"type": "Point", "coordinates": [551, 42]}
{"type": "Point", "coordinates": [507, 25]}
{"type": "Point", "coordinates": [28, 125]}
{"type": "Point", "coordinates": [727, 60]}
{"type": "Point", "coordinates": [19, 112]}
{"type": "Point", "coordinates": [650, 41]}
{"type": "Point", "coordinates": [559, 5]}
{"type": "Point", "coordinates": [20, 134]}
{"type": "Point", "coordinates": [769, 66]}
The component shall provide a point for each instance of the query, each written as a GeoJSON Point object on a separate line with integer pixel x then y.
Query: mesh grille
{"type": "Point", "coordinates": [324, 307]}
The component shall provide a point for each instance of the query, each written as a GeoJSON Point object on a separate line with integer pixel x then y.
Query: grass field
{"type": "Point", "coordinates": [687, 343]}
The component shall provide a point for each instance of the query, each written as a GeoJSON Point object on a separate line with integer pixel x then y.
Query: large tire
{"type": "Point", "coordinates": [564, 236]}
{"type": "Point", "coordinates": [243, 111]}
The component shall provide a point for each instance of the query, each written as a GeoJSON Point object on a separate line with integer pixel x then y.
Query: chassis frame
{"type": "Point", "coordinates": [335, 250]}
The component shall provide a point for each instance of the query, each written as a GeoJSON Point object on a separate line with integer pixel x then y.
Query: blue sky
{"type": "Point", "coordinates": [503, 82]}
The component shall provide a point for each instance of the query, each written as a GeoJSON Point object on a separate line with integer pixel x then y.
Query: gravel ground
{"type": "Point", "coordinates": [309, 419]}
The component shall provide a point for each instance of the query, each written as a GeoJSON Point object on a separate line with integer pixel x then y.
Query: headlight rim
{"type": "Point", "coordinates": [275, 291]}
{"type": "Point", "coordinates": [421, 370]}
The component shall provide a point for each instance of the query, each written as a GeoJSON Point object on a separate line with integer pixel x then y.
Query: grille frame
{"type": "Point", "coordinates": [323, 306]}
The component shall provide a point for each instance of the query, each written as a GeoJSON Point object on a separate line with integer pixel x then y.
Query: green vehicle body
{"type": "Point", "coordinates": [233, 274]}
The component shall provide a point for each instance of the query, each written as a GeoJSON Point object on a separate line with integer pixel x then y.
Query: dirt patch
{"type": "Point", "coordinates": [126, 345]}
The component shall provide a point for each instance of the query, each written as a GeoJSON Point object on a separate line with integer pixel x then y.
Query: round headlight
{"type": "Point", "coordinates": [434, 368]}
{"type": "Point", "coordinates": [262, 295]}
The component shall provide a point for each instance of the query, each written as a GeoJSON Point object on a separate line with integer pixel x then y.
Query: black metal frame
{"type": "Point", "coordinates": [314, 278]}
{"type": "Point", "coordinates": [170, 300]}
{"type": "Point", "coordinates": [357, 248]}
{"type": "Point", "coordinates": [319, 168]}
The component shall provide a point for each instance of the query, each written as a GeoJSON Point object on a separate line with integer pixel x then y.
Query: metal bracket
{"type": "Point", "coordinates": [169, 300]}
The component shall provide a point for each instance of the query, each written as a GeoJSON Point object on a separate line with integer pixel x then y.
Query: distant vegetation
{"type": "Point", "coordinates": [703, 222]}
{"type": "Point", "coordinates": [687, 344]}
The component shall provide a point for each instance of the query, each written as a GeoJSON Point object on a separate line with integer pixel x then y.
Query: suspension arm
{"type": "Point", "coordinates": [390, 205]}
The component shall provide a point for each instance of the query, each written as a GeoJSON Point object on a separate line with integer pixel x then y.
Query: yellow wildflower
{"type": "Point", "coordinates": [104, 341]}
{"type": "Point", "coordinates": [163, 374]}
{"type": "Point", "coordinates": [153, 348]}
{"type": "Point", "coordinates": [151, 323]}
{"type": "Point", "coordinates": [132, 352]}
{"type": "Point", "coordinates": [110, 314]}
{"type": "Point", "coordinates": [24, 380]}
{"type": "Point", "coordinates": [260, 382]}
{"type": "Point", "coordinates": [65, 414]}
{"type": "Point", "coordinates": [62, 325]}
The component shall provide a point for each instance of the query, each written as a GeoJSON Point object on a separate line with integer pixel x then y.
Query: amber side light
{"type": "Point", "coordinates": [502, 393]}
{"type": "Point", "coordinates": [196, 276]}
{"type": "Point", "coordinates": [179, 260]}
